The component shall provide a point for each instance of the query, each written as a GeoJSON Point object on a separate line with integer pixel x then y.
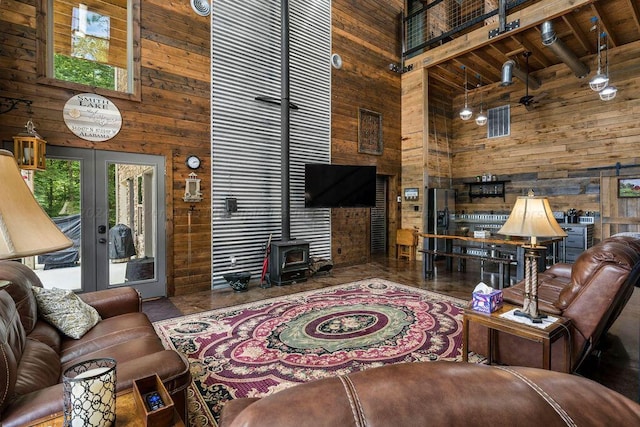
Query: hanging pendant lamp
{"type": "Point", "coordinates": [466, 112]}
{"type": "Point", "coordinates": [481, 118]}
{"type": "Point", "coordinates": [610, 91]}
{"type": "Point", "coordinates": [600, 80]}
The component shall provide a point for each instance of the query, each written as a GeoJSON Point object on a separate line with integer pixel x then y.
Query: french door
{"type": "Point", "coordinates": [112, 206]}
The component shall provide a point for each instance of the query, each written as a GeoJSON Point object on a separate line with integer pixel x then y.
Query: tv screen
{"type": "Point", "coordinates": [339, 186]}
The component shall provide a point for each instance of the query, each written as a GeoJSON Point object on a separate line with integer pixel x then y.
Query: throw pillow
{"type": "Point", "coordinates": [64, 310]}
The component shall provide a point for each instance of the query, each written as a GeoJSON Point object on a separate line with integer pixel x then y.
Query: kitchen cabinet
{"type": "Point", "coordinates": [487, 189]}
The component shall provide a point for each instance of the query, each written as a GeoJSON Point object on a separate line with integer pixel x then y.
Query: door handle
{"type": "Point", "coordinates": [102, 240]}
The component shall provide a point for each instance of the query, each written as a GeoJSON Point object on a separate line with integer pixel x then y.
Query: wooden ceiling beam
{"type": "Point", "coordinates": [605, 25]}
{"type": "Point", "coordinates": [635, 12]}
{"type": "Point", "coordinates": [492, 69]}
{"type": "Point", "coordinates": [537, 54]}
{"type": "Point", "coordinates": [447, 77]}
{"type": "Point", "coordinates": [501, 53]}
{"type": "Point", "coordinates": [529, 17]}
{"type": "Point", "coordinates": [571, 22]}
{"type": "Point", "coordinates": [475, 69]}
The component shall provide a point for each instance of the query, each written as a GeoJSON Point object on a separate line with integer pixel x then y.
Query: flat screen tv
{"type": "Point", "coordinates": [339, 186]}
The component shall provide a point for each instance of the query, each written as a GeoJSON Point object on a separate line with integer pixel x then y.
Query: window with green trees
{"type": "Point", "coordinates": [94, 43]}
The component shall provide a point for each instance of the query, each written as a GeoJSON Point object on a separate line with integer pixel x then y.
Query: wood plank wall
{"type": "Point", "coordinates": [366, 34]}
{"type": "Point", "coordinates": [560, 149]}
{"type": "Point", "coordinates": [171, 120]}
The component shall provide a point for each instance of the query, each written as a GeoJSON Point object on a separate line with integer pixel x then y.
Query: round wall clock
{"type": "Point", "coordinates": [193, 162]}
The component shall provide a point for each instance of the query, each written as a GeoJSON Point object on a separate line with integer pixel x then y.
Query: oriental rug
{"type": "Point", "coordinates": [258, 348]}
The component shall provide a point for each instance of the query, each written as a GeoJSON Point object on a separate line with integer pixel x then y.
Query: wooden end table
{"type": "Point", "coordinates": [494, 323]}
{"type": "Point", "coordinates": [126, 414]}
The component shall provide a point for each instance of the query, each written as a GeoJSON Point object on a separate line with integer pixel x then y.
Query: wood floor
{"type": "Point", "coordinates": [616, 366]}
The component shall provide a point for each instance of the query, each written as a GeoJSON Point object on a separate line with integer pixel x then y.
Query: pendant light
{"type": "Point", "coordinates": [466, 112]}
{"type": "Point", "coordinates": [610, 91]}
{"type": "Point", "coordinates": [599, 81]}
{"type": "Point", "coordinates": [481, 119]}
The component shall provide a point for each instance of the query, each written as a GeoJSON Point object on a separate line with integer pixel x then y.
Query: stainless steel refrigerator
{"type": "Point", "coordinates": [441, 203]}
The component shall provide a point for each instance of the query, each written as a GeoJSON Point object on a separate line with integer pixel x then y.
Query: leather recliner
{"type": "Point", "coordinates": [438, 394]}
{"type": "Point", "coordinates": [34, 354]}
{"type": "Point", "coordinates": [591, 292]}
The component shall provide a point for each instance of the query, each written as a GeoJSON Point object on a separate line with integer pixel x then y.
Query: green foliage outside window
{"type": "Point", "coordinates": [57, 189]}
{"type": "Point", "coordinates": [84, 71]}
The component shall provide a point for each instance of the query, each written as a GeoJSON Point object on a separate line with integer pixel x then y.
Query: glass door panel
{"type": "Point", "coordinates": [130, 193]}
{"type": "Point", "coordinates": [131, 229]}
{"type": "Point", "coordinates": [58, 191]}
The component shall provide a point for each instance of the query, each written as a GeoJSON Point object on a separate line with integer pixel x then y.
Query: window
{"type": "Point", "coordinates": [91, 45]}
{"type": "Point", "coordinates": [499, 121]}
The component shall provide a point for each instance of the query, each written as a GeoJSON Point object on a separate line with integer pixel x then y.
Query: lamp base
{"type": "Point", "coordinates": [534, 319]}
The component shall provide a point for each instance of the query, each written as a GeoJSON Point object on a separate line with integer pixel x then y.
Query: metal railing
{"type": "Point", "coordinates": [432, 24]}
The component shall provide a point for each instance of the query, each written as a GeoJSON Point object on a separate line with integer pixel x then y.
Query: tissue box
{"type": "Point", "coordinates": [481, 234]}
{"type": "Point", "coordinates": [487, 303]}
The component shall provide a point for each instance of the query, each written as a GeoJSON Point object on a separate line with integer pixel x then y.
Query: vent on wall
{"type": "Point", "coordinates": [201, 7]}
{"type": "Point", "coordinates": [499, 121]}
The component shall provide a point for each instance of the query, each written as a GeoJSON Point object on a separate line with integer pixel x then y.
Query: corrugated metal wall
{"type": "Point", "coordinates": [245, 142]}
{"type": "Point", "coordinates": [379, 218]}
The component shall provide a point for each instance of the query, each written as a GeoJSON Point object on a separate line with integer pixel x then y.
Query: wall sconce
{"type": "Point", "coordinates": [192, 191]}
{"type": "Point", "coordinates": [29, 148]}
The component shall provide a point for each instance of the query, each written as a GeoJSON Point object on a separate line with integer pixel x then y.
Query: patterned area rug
{"type": "Point", "coordinates": [259, 348]}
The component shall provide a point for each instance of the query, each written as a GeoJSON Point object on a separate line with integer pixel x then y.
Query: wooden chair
{"type": "Point", "coordinates": [406, 244]}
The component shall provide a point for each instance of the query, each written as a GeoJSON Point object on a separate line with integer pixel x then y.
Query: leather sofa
{"type": "Point", "coordinates": [438, 394]}
{"type": "Point", "coordinates": [591, 292]}
{"type": "Point", "coordinates": [34, 354]}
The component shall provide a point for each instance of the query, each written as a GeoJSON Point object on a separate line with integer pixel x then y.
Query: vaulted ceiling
{"type": "Point", "coordinates": [572, 20]}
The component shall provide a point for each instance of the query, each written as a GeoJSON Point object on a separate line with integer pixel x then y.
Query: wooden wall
{"type": "Point", "coordinates": [172, 118]}
{"type": "Point", "coordinates": [560, 149]}
{"type": "Point", "coordinates": [367, 37]}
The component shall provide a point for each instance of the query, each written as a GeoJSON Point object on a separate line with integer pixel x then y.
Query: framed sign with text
{"type": "Point", "coordinates": [92, 117]}
{"type": "Point", "coordinates": [369, 132]}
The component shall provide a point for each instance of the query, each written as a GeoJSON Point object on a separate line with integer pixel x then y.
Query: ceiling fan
{"type": "Point", "coordinates": [529, 100]}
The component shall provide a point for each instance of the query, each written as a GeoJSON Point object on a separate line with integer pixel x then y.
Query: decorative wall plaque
{"type": "Point", "coordinates": [92, 117]}
{"type": "Point", "coordinates": [369, 132]}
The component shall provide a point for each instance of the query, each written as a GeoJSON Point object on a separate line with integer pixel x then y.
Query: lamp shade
{"type": "Point", "coordinates": [25, 228]}
{"type": "Point", "coordinates": [531, 216]}
{"type": "Point", "coordinates": [89, 393]}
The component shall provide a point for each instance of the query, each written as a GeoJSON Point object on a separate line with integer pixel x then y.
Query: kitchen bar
{"type": "Point", "coordinates": [486, 252]}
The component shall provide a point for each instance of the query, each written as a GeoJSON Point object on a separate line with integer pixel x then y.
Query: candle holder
{"type": "Point", "coordinates": [90, 393]}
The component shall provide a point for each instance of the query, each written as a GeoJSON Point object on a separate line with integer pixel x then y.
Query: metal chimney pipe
{"type": "Point", "coordinates": [507, 73]}
{"type": "Point", "coordinates": [284, 123]}
{"type": "Point", "coordinates": [510, 69]}
{"type": "Point", "coordinates": [550, 40]}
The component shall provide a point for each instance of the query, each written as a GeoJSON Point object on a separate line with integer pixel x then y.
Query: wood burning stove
{"type": "Point", "coordinates": [288, 262]}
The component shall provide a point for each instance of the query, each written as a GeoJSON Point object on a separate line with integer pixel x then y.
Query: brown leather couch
{"type": "Point", "coordinates": [591, 292]}
{"type": "Point", "coordinates": [439, 394]}
{"type": "Point", "coordinates": [33, 354]}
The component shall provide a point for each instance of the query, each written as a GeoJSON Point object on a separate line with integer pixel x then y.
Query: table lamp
{"type": "Point", "coordinates": [90, 393]}
{"type": "Point", "coordinates": [531, 217]}
{"type": "Point", "coordinates": [25, 228]}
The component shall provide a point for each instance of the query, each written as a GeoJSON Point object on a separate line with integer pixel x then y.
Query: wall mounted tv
{"type": "Point", "coordinates": [339, 186]}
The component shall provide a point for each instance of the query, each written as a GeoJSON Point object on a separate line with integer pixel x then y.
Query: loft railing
{"type": "Point", "coordinates": [435, 22]}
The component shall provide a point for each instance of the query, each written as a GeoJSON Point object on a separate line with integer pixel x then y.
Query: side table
{"type": "Point", "coordinates": [126, 414]}
{"type": "Point", "coordinates": [494, 323]}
